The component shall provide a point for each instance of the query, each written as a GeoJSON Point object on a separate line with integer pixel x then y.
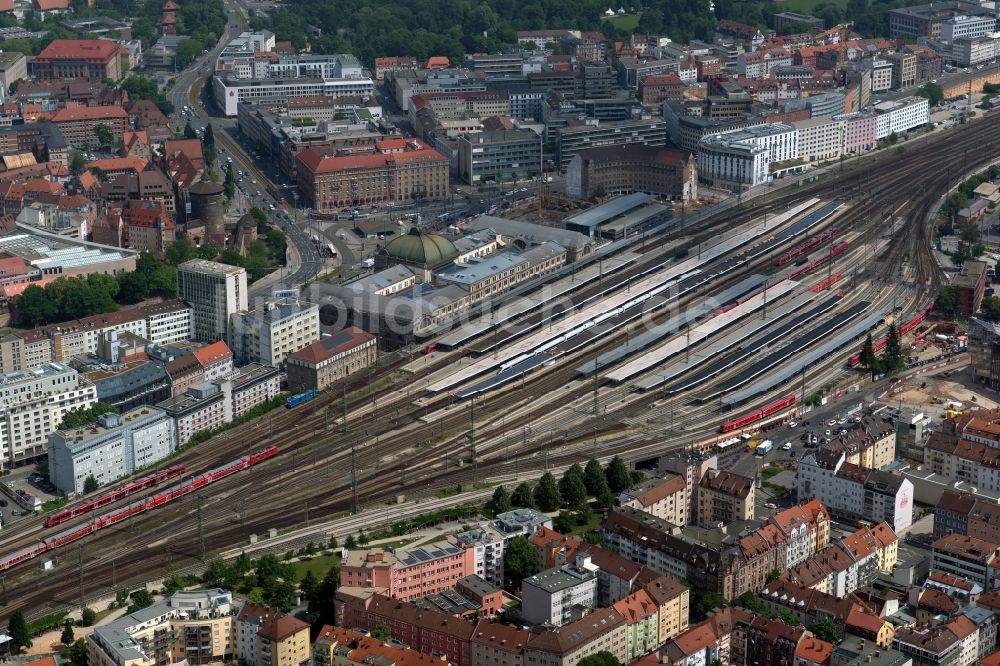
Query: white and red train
{"type": "Point", "coordinates": [881, 343]}
{"type": "Point", "coordinates": [135, 508]}
{"type": "Point", "coordinates": [758, 414]}
{"type": "Point", "coordinates": [112, 496]}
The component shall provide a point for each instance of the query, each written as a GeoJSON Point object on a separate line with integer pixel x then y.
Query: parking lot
{"type": "Point", "coordinates": [25, 481]}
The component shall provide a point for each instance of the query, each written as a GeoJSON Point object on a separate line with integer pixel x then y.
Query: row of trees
{"type": "Point", "coordinates": [81, 416]}
{"type": "Point", "coordinates": [892, 360]}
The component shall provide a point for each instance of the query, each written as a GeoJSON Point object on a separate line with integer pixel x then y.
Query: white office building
{"type": "Point", "coordinates": [272, 331]}
{"type": "Point", "coordinates": [820, 139]}
{"type": "Point", "coordinates": [900, 116]}
{"type": "Point", "coordinates": [113, 447]}
{"type": "Point", "coordinates": [33, 404]}
{"type": "Point", "coordinates": [967, 27]}
{"type": "Point", "coordinates": [230, 90]}
{"type": "Point", "coordinates": [744, 158]}
{"type": "Point", "coordinates": [557, 596]}
{"type": "Point", "coordinates": [215, 292]}
{"type": "Point", "coordinates": [971, 51]}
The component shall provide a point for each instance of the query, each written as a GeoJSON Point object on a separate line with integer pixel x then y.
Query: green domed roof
{"type": "Point", "coordinates": [418, 248]}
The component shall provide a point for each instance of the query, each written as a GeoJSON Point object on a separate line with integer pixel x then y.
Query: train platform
{"type": "Point", "coordinates": [740, 343]}
{"type": "Point", "coordinates": [697, 334]}
{"type": "Point", "coordinates": [547, 293]}
{"type": "Point", "coordinates": [672, 325]}
{"type": "Point", "coordinates": [788, 372]}
{"type": "Point", "coordinates": [652, 285]}
{"type": "Point", "coordinates": [787, 351]}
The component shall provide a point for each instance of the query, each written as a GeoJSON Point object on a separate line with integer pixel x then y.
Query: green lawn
{"type": "Point", "coordinates": [628, 22]}
{"type": "Point", "coordinates": [770, 471]}
{"type": "Point", "coordinates": [319, 565]}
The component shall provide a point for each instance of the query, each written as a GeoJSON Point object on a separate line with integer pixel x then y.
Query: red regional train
{"type": "Point", "coordinates": [135, 508]}
{"type": "Point", "coordinates": [757, 415]}
{"type": "Point", "coordinates": [113, 496]}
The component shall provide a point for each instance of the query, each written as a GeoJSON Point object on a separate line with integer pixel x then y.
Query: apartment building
{"type": "Point", "coordinates": [272, 331]}
{"type": "Point", "coordinates": [195, 625]}
{"type": "Point", "coordinates": [900, 116]}
{"type": "Point", "coordinates": [283, 640]}
{"type": "Point", "coordinates": [86, 59]}
{"type": "Point", "coordinates": [961, 460]}
{"type": "Point", "coordinates": [215, 292]}
{"type": "Point", "coordinates": [33, 404]}
{"type": "Point", "coordinates": [743, 158]}
{"type": "Point", "coordinates": [331, 359]}
{"type": "Point", "coordinates": [408, 573]}
{"type": "Point", "coordinates": [335, 646]}
{"type": "Point", "coordinates": [856, 492]}
{"type": "Point", "coordinates": [77, 123]}
{"type": "Point", "coordinates": [724, 497]}
{"type": "Point", "coordinates": [393, 169]}
{"type": "Point", "coordinates": [114, 447]}
{"type": "Point", "coordinates": [870, 444]}
{"type": "Point", "coordinates": [666, 498]}
{"type": "Point", "coordinates": [559, 595]}
{"type": "Point", "coordinates": [967, 557]}
{"type": "Point", "coordinates": [488, 541]}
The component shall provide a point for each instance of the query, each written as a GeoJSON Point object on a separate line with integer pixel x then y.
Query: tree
{"type": "Point", "coordinates": [88, 617]}
{"type": "Point", "coordinates": [547, 497]}
{"type": "Point", "coordinates": [309, 584]}
{"type": "Point", "coordinates": [209, 137]}
{"type": "Point", "coordinates": [189, 132]}
{"type": "Point", "coordinates": [350, 542]}
{"type": "Point", "coordinates": [946, 302]}
{"type": "Point", "coordinates": [519, 559]}
{"type": "Point", "coordinates": [17, 629]}
{"type": "Point", "coordinates": [229, 185]}
{"type": "Point", "coordinates": [572, 491]}
{"type": "Point", "coordinates": [604, 498]}
{"type": "Point", "coordinates": [381, 632]}
{"type": "Point", "coordinates": [500, 502]}
{"type": "Point", "coordinates": [933, 92]}
{"type": "Point", "coordinates": [216, 573]}
{"type": "Point", "coordinates": [970, 232]}
{"type": "Point", "coordinates": [826, 629]}
{"type": "Point", "coordinates": [788, 617]}
{"type": "Point", "coordinates": [141, 598]}
{"type": "Point", "coordinates": [187, 51]}
{"type": "Point", "coordinates": [139, 87]}
{"type": "Point", "coordinates": [750, 602]}
{"type": "Point", "coordinates": [602, 658]}
{"type": "Point", "coordinates": [77, 653]}
{"type": "Point", "coordinates": [77, 163]}
{"type": "Point", "coordinates": [81, 416]}
{"type": "Point", "coordinates": [563, 523]}
{"type": "Point", "coordinates": [321, 607]}
{"type": "Point", "coordinates": [90, 484]}
{"type": "Point", "coordinates": [593, 477]}
{"type": "Point", "coordinates": [522, 497]}
{"type": "Point", "coordinates": [893, 138]}
{"type": "Point", "coordinates": [105, 137]}
{"type": "Point", "coordinates": [280, 595]}
{"type": "Point", "coordinates": [617, 475]}
{"type": "Point", "coordinates": [67, 637]}
{"type": "Point", "coordinates": [206, 251]}
{"type": "Point", "coordinates": [180, 251]}
{"type": "Point", "coordinates": [868, 358]}
{"type": "Point", "coordinates": [893, 359]}
{"type": "Point", "coordinates": [708, 602]}
{"type": "Point", "coordinates": [990, 309]}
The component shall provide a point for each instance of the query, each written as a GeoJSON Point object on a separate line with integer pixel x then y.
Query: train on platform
{"type": "Point", "coordinates": [758, 415]}
{"type": "Point", "coordinates": [879, 345]}
{"type": "Point", "coordinates": [112, 496]}
{"type": "Point", "coordinates": [135, 508]}
{"type": "Point", "coordinates": [804, 248]}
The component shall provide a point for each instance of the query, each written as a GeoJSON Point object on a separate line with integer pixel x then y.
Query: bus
{"type": "Point", "coordinates": [728, 444]}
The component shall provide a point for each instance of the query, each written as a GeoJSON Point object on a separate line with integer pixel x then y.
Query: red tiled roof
{"type": "Point", "coordinates": [137, 164]}
{"type": "Point", "coordinates": [91, 50]}
{"type": "Point", "coordinates": [213, 353]}
{"type": "Point", "coordinates": [6, 5]}
{"type": "Point", "coordinates": [74, 113]}
{"type": "Point", "coordinates": [325, 348]}
{"type": "Point", "coordinates": [813, 650]}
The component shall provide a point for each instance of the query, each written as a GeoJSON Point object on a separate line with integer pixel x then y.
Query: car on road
{"type": "Point", "coordinates": [827, 433]}
{"type": "Point", "coordinates": [770, 505]}
{"type": "Point", "coordinates": [792, 424]}
{"type": "Point", "coordinates": [787, 446]}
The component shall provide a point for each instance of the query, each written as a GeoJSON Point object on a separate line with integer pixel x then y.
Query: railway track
{"type": "Point", "coordinates": [405, 454]}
